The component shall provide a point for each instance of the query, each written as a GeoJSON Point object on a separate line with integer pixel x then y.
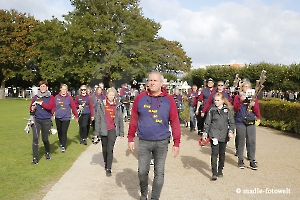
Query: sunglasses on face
{"type": "Point", "coordinates": [83, 89]}
{"type": "Point", "coordinates": [220, 85]}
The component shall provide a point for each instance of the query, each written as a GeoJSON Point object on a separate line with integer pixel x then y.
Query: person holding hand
{"type": "Point", "coordinates": [41, 107]}
{"type": "Point", "coordinates": [85, 106]}
{"type": "Point", "coordinates": [245, 111]}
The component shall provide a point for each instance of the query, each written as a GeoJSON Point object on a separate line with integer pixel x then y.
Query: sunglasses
{"type": "Point", "coordinates": [220, 85]}
{"type": "Point", "coordinates": [83, 89]}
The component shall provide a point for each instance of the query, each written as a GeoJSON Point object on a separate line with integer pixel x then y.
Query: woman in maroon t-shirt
{"type": "Point", "coordinates": [108, 125]}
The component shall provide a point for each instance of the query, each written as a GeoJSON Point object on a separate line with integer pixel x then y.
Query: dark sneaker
{"type": "Point", "coordinates": [253, 165]}
{"type": "Point", "coordinates": [35, 161]}
{"type": "Point", "coordinates": [48, 156]}
{"type": "Point", "coordinates": [241, 164]}
{"type": "Point", "coordinates": [95, 140]}
{"type": "Point", "coordinates": [214, 177]}
{"type": "Point", "coordinates": [220, 174]}
{"type": "Point", "coordinates": [83, 141]}
{"type": "Point", "coordinates": [108, 172]}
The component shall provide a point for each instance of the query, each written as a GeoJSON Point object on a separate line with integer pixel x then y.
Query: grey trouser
{"type": "Point", "coordinates": [192, 118]}
{"type": "Point", "coordinates": [249, 133]}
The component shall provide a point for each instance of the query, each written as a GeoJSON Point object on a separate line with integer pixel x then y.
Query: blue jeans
{"type": "Point", "coordinates": [192, 118]}
{"type": "Point", "coordinates": [159, 151]}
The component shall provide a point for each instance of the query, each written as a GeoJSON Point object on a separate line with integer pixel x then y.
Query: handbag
{"type": "Point", "coordinates": [248, 120]}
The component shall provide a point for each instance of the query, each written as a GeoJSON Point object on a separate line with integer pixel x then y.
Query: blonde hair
{"type": "Point", "coordinates": [82, 86]}
{"type": "Point", "coordinates": [88, 89]}
{"type": "Point", "coordinates": [111, 90]}
{"type": "Point", "coordinates": [64, 85]}
{"type": "Point", "coordinates": [245, 82]}
{"type": "Point", "coordinates": [221, 95]}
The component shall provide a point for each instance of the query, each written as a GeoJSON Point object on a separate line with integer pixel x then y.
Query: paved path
{"type": "Point", "coordinates": [188, 175]}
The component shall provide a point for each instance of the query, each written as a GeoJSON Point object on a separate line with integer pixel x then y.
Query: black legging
{"type": "Point", "coordinates": [200, 120]}
{"type": "Point", "coordinates": [43, 126]}
{"type": "Point", "coordinates": [83, 122]}
{"type": "Point", "coordinates": [217, 151]}
{"type": "Point", "coordinates": [108, 143]}
{"type": "Point", "coordinates": [62, 129]}
{"type": "Point", "coordinates": [88, 127]}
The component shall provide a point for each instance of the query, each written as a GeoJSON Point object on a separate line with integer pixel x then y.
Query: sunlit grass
{"type": "Point", "coordinates": [19, 178]}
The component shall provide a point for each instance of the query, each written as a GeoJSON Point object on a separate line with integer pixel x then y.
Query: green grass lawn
{"type": "Point", "coordinates": [19, 178]}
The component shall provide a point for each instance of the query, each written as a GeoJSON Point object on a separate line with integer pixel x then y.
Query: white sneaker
{"type": "Point", "coordinates": [152, 162]}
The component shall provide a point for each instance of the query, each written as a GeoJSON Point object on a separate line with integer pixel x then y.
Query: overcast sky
{"type": "Point", "coordinates": [211, 31]}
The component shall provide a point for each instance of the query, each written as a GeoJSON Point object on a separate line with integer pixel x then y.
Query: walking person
{"type": "Point", "coordinates": [41, 107]}
{"type": "Point", "coordinates": [220, 88]}
{"type": "Point", "coordinates": [245, 125]}
{"type": "Point", "coordinates": [201, 102]}
{"type": "Point", "coordinates": [84, 104]}
{"type": "Point", "coordinates": [179, 101]}
{"type": "Point", "coordinates": [152, 112]}
{"type": "Point", "coordinates": [125, 95]}
{"type": "Point", "coordinates": [90, 122]}
{"type": "Point", "coordinates": [192, 97]}
{"type": "Point", "coordinates": [219, 127]}
{"type": "Point", "coordinates": [108, 126]}
{"type": "Point", "coordinates": [64, 105]}
{"type": "Point", "coordinates": [97, 97]}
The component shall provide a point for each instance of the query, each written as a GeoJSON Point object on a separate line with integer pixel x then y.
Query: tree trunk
{"type": "Point", "coordinates": [107, 80]}
{"type": "Point", "coordinates": [2, 89]}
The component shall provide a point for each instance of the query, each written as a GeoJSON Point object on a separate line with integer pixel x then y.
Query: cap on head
{"type": "Point", "coordinates": [246, 80]}
{"type": "Point", "coordinates": [210, 79]}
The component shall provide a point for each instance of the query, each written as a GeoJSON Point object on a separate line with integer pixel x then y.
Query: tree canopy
{"type": "Point", "coordinates": [108, 40]}
{"type": "Point", "coordinates": [279, 77]}
{"type": "Point", "coordinates": [17, 43]}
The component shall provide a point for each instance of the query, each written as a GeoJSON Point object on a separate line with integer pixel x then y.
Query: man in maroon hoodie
{"type": "Point", "coordinates": [152, 112]}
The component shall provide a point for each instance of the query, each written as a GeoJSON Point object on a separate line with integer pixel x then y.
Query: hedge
{"type": "Point", "coordinates": [281, 115]}
{"type": "Point", "coordinates": [275, 113]}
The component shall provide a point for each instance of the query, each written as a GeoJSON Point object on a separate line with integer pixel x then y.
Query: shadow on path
{"type": "Point", "coordinates": [192, 162]}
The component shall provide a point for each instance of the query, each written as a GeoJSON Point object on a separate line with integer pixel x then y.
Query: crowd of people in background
{"type": "Point", "coordinates": [215, 113]}
{"type": "Point", "coordinates": [284, 96]}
